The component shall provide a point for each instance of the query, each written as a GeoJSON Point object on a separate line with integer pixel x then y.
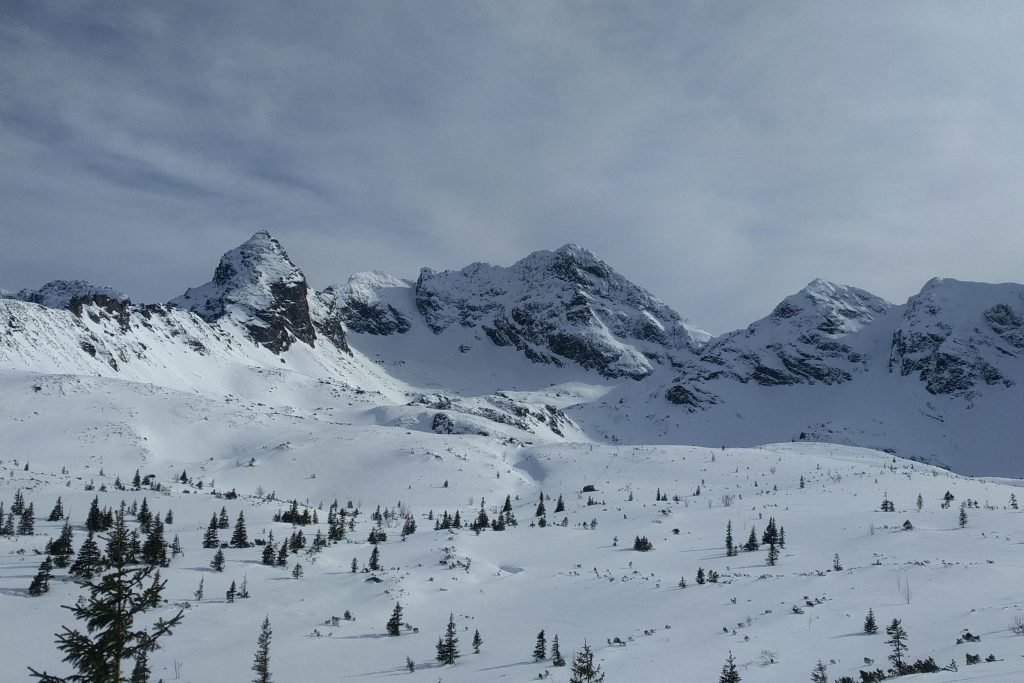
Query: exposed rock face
{"type": "Point", "coordinates": [958, 335]}
{"type": "Point", "coordinates": [60, 293]}
{"type": "Point", "coordinates": [258, 286]}
{"type": "Point", "coordinates": [806, 339]}
{"type": "Point", "coordinates": [560, 306]}
{"type": "Point", "coordinates": [370, 303]}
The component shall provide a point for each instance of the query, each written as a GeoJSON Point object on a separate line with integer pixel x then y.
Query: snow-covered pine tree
{"type": "Point", "coordinates": [477, 641]}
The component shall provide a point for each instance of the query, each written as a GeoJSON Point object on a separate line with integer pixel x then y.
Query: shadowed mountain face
{"type": "Point", "coordinates": [932, 378]}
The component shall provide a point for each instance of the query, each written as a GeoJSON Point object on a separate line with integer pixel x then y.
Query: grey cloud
{"type": "Point", "coordinates": [720, 154]}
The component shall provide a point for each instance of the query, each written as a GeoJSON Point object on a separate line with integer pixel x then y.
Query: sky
{"type": "Point", "coordinates": [720, 154]}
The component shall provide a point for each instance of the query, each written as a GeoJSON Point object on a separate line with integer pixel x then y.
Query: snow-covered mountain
{"type": "Point", "coordinates": [565, 306]}
{"type": "Point", "coordinates": [936, 379]}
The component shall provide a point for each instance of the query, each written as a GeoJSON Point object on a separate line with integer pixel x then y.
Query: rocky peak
{"type": "Point", "coordinates": [805, 339]}
{"type": "Point", "coordinates": [257, 285]}
{"type": "Point", "coordinates": [372, 303]}
{"type": "Point", "coordinates": [565, 305]}
{"type": "Point", "coordinates": [60, 293]}
{"type": "Point", "coordinates": [957, 336]}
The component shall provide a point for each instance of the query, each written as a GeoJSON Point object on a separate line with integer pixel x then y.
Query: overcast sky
{"type": "Point", "coordinates": [719, 154]}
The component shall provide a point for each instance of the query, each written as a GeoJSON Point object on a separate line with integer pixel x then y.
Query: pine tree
{"type": "Point", "coordinates": [57, 513]}
{"type": "Point", "coordinates": [752, 543]}
{"type": "Point", "coordinates": [448, 647]}
{"type": "Point", "coordinates": [540, 649]}
{"type": "Point", "coordinates": [773, 555]}
{"type": "Point", "coordinates": [963, 516]}
{"type": "Point", "coordinates": [176, 547]}
{"type": "Point", "coordinates": [210, 539]}
{"type": "Point", "coordinates": [140, 672]}
{"type": "Point", "coordinates": [730, 549]}
{"type": "Point", "coordinates": [560, 505]}
{"type": "Point", "coordinates": [120, 550]}
{"type": "Point", "coordinates": [217, 563]}
{"type": "Point", "coordinates": [782, 537]}
{"type": "Point", "coordinates": [583, 668]}
{"type": "Point", "coordinates": [222, 521]}
{"type": "Point", "coordinates": [820, 674]}
{"type": "Point", "coordinates": [1013, 502]}
{"type": "Point", "coordinates": [729, 672]}
{"type": "Point", "coordinates": [770, 535]}
{"type": "Point", "coordinates": [261, 662]}
{"type": "Point", "coordinates": [282, 555]}
{"type": "Point", "coordinates": [268, 555]}
{"type": "Point", "coordinates": [27, 523]}
{"type": "Point", "coordinates": [114, 601]}
{"type": "Point", "coordinates": [836, 566]}
{"type": "Point", "coordinates": [297, 571]}
{"type": "Point", "coordinates": [920, 502]}
{"type": "Point", "coordinates": [18, 506]}
{"type": "Point", "coordinates": [231, 592]}
{"type": "Point", "coordinates": [374, 564]}
{"type": "Point", "coordinates": [144, 516]}
{"type": "Point", "coordinates": [477, 641]}
{"type": "Point", "coordinates": [700, 576]}
{"type": "Point", "coordinates": [870, 627]}
{"type": "Point", "coordinates": [556, 653]}
{"type": "Point", "coordinates": [199, 591]}
{"type": "Point", "coordinates": [240, 538]}
{"type": "Point", "coordinates": [169, 518]}
{"type": "Point", "coordinates": [63, 548]}
{"type": "Point", "coordinates": [89, 559]}
{"type": "Point", "coordinates": [41, 582]}
{"type": "Point", "coordinates": [394, 625]}
{"type": "Point", "coordinates": [137, 481]}
{"type": "Point", "coordinates": [898, 642]}
{"type": "Point", "coordinates": [154, 550]}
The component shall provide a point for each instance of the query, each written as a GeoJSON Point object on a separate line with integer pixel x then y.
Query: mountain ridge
{"type": "Point", "coordinates": [830, 362]}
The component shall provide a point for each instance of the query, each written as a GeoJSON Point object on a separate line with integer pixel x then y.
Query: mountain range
{"type": "Point", "coordinates": [559, 346]}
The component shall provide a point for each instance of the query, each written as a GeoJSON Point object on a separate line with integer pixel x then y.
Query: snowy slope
{"type": "Point", "coordinates": [581, 581]}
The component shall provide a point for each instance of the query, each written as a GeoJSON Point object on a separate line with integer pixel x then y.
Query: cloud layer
{"type": "Point", "coordinates": [720, 154]}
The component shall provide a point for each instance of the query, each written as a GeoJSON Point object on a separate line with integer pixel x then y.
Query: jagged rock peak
{"type": "Point", "coordinates": [258, 285]}
{"type": "Point", "coordinates": [831, 308]}
{"type": "Point", "coordinates": [557, 306]}
{"type": "Point", "coordinates": [60, 293]}
{"type": "Point", "coordinates": [372, 303]}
